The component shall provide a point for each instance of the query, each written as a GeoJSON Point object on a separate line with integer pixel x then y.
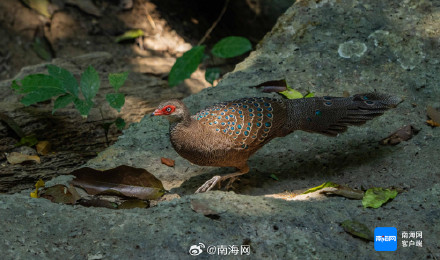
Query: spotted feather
{"type": "Point", "coordinates": [248, 121]}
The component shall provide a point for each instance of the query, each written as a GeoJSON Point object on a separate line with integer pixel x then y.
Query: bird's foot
{"type": "Point", "coordinates": [207, 186]}
{"type": "Point", "coordinates": [230, 182]}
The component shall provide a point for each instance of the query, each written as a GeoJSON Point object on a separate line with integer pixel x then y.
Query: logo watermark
{"type": "Point", "coordinates": [412, 238]}
{"type": "Point", "coordinates": [196, 250]}
{"type": "Point", "coordinates": [385, 239]}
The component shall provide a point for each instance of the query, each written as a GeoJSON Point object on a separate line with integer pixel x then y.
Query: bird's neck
{"type": "Point", "coordinates": [180, 122]}
{"type": "Point", "coordinates": [181, 126]}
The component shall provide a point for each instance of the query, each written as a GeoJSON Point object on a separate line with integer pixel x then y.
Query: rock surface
{"type": "Point", "coordinates": [387, 46]}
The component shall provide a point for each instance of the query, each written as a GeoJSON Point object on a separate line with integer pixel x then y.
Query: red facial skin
{"type": "Point", "coordinates": [166, 110]}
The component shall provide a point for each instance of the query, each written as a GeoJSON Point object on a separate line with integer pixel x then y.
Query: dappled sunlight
{"type": "Point", "coordinates": [429, 25]}
{"type": "Point", "coordinates": [297, 196]}
{"type": "Point", "coordinates": [161, 66]}
{"type": "Point", "coordinates": [170, 43]}
{"type": "Point", "coordinates": [60, 21]}
{"type": "Point", "coordinates": [152, 65]}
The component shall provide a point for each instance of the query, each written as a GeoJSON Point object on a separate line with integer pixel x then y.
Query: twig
{"type": "Point", "coordinates": [12, 124]}
{"type": "Point", "coordinates": [225, 6]}
{"type": "Point", "coordinates": [150, 19]}
{"type": "Point", "coordinates": [106, 127]}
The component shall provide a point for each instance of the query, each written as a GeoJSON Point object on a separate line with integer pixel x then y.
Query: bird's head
{"type": "Point", "coordinates": [174, 110]}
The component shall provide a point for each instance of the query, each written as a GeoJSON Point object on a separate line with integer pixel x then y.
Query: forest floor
{"type": "Point", "coordinates": [78, 35]}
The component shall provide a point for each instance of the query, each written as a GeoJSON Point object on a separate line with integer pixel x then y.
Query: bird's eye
{"type": "Point", "coordinates": [168, 109]}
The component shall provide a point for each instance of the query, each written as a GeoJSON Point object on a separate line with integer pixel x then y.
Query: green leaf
{"type": "Point", "coordinates": [116, 100]}
{"type": "Point", "coordinates": [38, 87]}
{"type": "Point", "coordinates": [231, 46]}
{"type": "Point", "coordinates": [34, 82]}
{"type": "Point", "coordinates": [67, 80]}
{"type": "Point", "coordinates": [16, 87]}
{"type": "Point", "coordinates": [212, 74]}
{"type": "Point", "coordinates": [325, 184]}
{"type": "Point", "coordinates": [39, 96]}
{"type": "Point", "coordinates": [128, 35]}
{"type": "Point", "coordinates": [309, 95]}
{"type": "Point", "coordinates": [29, 140]}
{"type": "Point", "coordinates": [291, 93]}
{"type": "Point", "coordinates": [116, 80]}
{"type": "Point", "coordinates": [375, 197]}
{"type": "Point", "coordinates": [186, 65]}
{"type": "Point", "coordinates": [120, 123]}
{"type": "Point", "coordinates": [62, 101]}
{"type": "Point", "coordinates": [90, 83]}
{"type": "Point", "coordinates": [83, 106]}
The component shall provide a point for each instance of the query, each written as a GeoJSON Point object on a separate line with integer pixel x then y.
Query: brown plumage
{"type": "Point", "coordinates": [228, 133]}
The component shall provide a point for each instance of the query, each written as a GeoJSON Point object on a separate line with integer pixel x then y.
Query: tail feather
{"type": "Point", "coordinates": [332, 115]}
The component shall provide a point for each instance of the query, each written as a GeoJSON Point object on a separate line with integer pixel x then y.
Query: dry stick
{"type": "Point", "coordinates": [105, 129]}
{"type": "Point", "coordinates": [150, 19]}
{"type": "Point", "coordinates": [12, 124]}
{"type": "Point", "coordinates": [215, 23]}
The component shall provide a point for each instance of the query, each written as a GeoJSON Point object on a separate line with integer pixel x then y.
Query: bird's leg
{"type": "Point", "coordinates": [207, 186]}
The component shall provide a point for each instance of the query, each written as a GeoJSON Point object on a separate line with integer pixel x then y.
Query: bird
{"type": "Point", "coordinates": [226, 134]}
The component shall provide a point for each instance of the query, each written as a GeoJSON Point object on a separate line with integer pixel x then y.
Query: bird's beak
{"type": "Point", "coordinates": [157, 112]}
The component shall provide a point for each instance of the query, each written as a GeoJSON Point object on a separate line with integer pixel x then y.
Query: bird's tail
{"type": "Point", "coordinates": [332, 115]}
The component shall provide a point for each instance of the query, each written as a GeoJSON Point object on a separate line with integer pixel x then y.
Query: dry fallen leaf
{"type": "Point", "coordinates": [432, 123]}
{"type": "Point", "coordinates": [327, 188]}
{"type": "Point", "coordinates": [167, 161]}
{"type": "Point", "coordinates": [131, 204]}
{"type": "Point", "coordinates": [403, 134]}
{"type": "Point", "coordinates": [41, 6]}
{"type": "Point", "coordinates": [87, 6]}
{"type": "Point", "coordinates": [16, 158]}
{"type": "Point", "coordinates": [121, 181]}
{"type": "Point", "coordinates": [98, 202]}
{"type": "Point", "coordinates": [36, 194]}
{"type": "Point", "coordinates": [273, 86]}
{"type": "Point", "coordinates": [358, 229]}
{"type": "Point", "coordinates": [61, 194]}
{"type": "Point", "coordinates": [43, 147]}
{"type": "Point", "coordinates": [344, 192]}
{"type": "Point", "coordinates": [337, 189]}
{"type": "Point", "coordinates": [434, 115]}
